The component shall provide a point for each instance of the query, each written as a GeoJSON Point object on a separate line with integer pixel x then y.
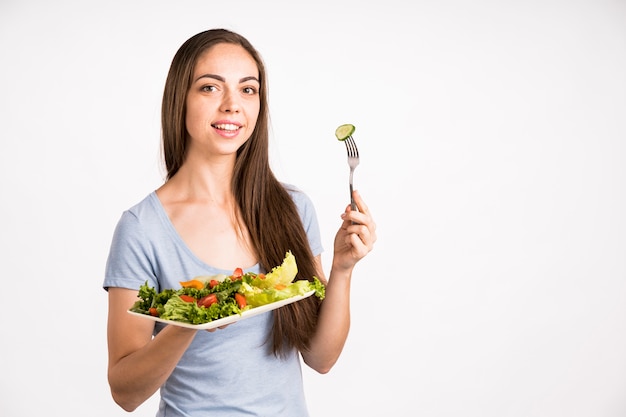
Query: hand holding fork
{"type": "Point", "coordinates": [360, 240]}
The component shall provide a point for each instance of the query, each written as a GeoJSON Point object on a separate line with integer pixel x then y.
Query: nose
{"type": "Point", "coordinates": [230, 102]}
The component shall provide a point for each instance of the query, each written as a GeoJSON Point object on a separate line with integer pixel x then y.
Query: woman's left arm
{"type": "Point", "coordinates": [354, 239]}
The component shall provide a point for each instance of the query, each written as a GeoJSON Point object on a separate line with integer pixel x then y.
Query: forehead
{"type": "Point", "coordinates": [226, 58]}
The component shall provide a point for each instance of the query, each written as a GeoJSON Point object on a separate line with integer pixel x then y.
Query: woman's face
{"type": "Point", "coordinates": [223, 100]}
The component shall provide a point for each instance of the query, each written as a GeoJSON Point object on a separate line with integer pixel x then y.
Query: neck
{"type": "Point", "coordinates": [203, 182]}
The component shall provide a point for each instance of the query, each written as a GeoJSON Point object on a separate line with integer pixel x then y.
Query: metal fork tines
{"type": "Point", "coordinates": [353, 161]}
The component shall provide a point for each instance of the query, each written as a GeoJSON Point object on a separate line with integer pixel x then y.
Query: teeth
{"type": "Point", "coordinates": [227, 126]}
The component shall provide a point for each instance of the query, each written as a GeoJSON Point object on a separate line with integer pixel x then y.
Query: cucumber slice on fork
{"type": "Point", "coordinates": [344, 131]}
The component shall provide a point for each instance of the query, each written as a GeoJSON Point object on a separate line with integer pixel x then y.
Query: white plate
{"type": "Point", "coordinates": [230, 319]}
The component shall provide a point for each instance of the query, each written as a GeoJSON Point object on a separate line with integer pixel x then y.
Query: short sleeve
{"type": "Point", "coordinates": [307, 212]}
{"type": "Point", "coordinates": [130, 263]}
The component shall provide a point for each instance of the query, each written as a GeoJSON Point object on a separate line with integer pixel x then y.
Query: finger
{"type": "Point", "coordinates": [362, 219]}
{"type": "Point", "coordinates": [359, 248]}
{"type": "Point", "coordinates": [359, 234]}
{"type": "Point", "coordinates": [360, 204]}
{"type": "Point", "coordinates": [346, 218]}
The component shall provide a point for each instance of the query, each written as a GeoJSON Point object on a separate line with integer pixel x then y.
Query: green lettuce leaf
{"type": "Point", "coordinates": [257, 296]}
{"type": "Point", "coordinates": [189, 312]}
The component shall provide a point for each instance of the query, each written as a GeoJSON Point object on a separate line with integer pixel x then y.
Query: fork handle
{"type": "Point", "coordinates": [352, 203]}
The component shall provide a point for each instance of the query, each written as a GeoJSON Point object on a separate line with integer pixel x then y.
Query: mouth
{"type": "Point", "coordinates": [226, 127]}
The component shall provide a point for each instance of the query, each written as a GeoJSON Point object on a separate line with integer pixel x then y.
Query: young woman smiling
{"type": "Point", "coordinates": [221, 207]}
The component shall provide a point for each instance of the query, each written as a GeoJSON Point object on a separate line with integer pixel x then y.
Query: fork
{"type": "Point", "coordinates": [353, 161]}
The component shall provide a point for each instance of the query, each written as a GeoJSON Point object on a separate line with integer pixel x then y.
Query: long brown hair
{"type": "Point", "coordinates": [267, 209]}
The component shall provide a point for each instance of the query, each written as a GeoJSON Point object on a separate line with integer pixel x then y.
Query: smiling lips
{"type": "Point", "coordinates": [227, 127]}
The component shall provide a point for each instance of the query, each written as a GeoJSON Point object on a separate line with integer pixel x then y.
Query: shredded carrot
{"type": "Point", "coordinates": [280, 286]}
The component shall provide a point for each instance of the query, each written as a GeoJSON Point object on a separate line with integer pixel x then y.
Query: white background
{"type": "Point", "coordinates": [492, 136]}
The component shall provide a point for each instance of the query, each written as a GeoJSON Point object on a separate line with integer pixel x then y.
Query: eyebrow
{"type": "Point", "coordinates": [222, 79]}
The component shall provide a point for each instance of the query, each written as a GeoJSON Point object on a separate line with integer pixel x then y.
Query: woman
{"type": "Point", "coordinates": [220, 208]}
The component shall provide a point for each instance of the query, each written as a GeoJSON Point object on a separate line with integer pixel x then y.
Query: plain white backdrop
{"type": "Point", "coordinates": [493, 144]}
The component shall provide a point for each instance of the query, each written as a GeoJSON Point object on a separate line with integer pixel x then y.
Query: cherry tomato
{"type": "Point", "coordinates": [237, 274]}
{"type": "Point", "coordinates": [213, 283]}
{"type": "Point", "coordinates": [207, 300]}
{"type": "Point", "coordinates": [153, 312]}
{"type": "Point", "coordinates": [187, 298]}
{"type": "Point", "coordinates": [241, 300]}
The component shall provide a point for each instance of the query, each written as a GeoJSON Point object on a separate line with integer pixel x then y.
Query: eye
{"type": "Point", "coordinates": [250, 90]}
{"type": "Point", "coordinates": [208, 88]}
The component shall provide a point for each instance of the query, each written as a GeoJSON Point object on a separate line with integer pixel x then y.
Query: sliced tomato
{"type": "Point", "coordinates": [241, 300]}
{"type": "Point", "coordinates": [237, 274]}
{"type": "Point", "coordinates": [187, 298]}
{"type": "Point", "coordinates": [213, 283]}
{"type": "Point", "coordinates": [207, 300]}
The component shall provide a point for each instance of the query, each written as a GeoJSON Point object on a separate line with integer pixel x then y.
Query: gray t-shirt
{"type": "Point", "coordinates": [230, 372]}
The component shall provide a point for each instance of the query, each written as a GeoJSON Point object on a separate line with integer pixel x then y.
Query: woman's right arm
{"type": "Point", "coordinates": [138, 363]}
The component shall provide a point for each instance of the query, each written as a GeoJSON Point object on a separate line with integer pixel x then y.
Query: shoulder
{"type": "Point", "coordinates": [299, 197]}
{"type": "Point", "coordinates": [306, 211]}
{"type": "Point", "coordinates": [135, 220]}
{"type": "Point", "coordinates": [134, 248]}
{"type": "Point", "coordinates": [146, 208]}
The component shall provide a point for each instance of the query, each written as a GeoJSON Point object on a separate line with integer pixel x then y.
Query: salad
{"type": "Point", "coordinates": [207, 298]}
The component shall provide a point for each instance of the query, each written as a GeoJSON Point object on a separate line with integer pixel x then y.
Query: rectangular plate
{"type": "Point", "coordinates": [230, 319]}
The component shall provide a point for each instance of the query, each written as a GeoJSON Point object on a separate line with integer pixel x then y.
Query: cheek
{"type": "Point", "coordinates": [195, 118]}
{"type": "Point", "coordinates": [253, 113]}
